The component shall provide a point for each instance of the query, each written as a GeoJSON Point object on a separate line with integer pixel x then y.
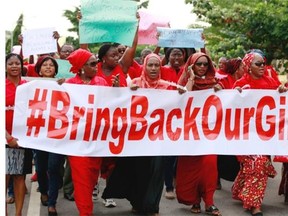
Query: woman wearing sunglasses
{"type": "Point", "coordinates": [196, 176]}
{"type": "Point", "coordinates": [251, 181]}
{"type": "Point", "coordinates": [85, 170]}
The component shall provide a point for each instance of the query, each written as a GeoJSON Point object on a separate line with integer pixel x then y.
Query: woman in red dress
{"type": "Point", "coordinates": [85, 170]}
{"type": "Point", "coordinates": [196, 176]}
{"type": "Point", "coordinates": [251, 181]}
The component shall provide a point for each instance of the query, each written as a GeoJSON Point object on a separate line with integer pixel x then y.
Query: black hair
{"type": "Point", "coordinates": [41, 60]}
{"type": "Point", "coordinates": [168, 51]}
{"type": "Point", "coordinates": [10, 55]}
{"type": "Point", "coordinates": [104, 49]}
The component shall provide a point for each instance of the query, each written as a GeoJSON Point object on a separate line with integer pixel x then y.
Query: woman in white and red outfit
{"type": "Point", "coordinates": [18, 160]}
{"type": "Point", "coordinates": [251, 181]}
{"type": "Point", "coordinates": [85, 170]}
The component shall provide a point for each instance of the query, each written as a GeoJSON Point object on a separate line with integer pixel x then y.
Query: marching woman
{"type": "Point", "coordinates": [18, 160]}
{"type": "Point", "coordinates": [48, 163]}
{"type": "Point", "coordinates": [196, 176]}
{"type": "Point", "coordinates": [140, 179]}
{"type": "Point", "coordinates": [251, 181]}
{"type": "Point", "coordinates": [85, 170]}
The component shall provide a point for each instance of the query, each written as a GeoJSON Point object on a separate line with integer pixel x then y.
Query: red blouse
{"type": "Point", "coordinates": [95, 81]}
{"type": "Point", "coordinates": [10, 102]}
{"type": "Point", "coordinates": [115, 71]}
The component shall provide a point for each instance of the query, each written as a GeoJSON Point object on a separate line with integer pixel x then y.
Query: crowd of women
{"type": "Point", "coordinates": [141, 179]}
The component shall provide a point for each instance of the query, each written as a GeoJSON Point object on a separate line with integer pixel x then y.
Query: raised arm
{"type": "Point", "coordinates": [127, 59]}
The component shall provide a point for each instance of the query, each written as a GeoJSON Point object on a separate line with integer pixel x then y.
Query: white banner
{"type": "Point", "coordinates": [107, 121]}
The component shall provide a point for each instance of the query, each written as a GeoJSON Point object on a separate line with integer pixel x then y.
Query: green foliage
{"type": "Point", "coordinates": [237, 26]}
{"type": "Point", "coordinates": [12, 38]}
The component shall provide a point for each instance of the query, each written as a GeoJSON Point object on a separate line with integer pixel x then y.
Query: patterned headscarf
{"type": "Point", "coordinates": [247, 60]}
{"type": "Point", "coordinates": [78, 58]}
{"type": "Point", "coordinates": [232, 65]}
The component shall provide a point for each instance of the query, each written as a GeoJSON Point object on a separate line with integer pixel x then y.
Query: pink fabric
{"type": "Point", "coordinates": [145, 82]}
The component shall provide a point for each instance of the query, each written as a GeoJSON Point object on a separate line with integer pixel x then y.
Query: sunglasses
{"type": "Point", "coordinates": [259, 64]}
{"type": "Point", "coordinates": [205, 64]}
{"type": "Point", "coordinates": [92, 64]}
{"type": "Point", "coordinates": [66, 51]}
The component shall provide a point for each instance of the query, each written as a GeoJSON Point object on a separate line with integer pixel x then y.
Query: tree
{"type": "Point", "coordinates": [72, 17]}
{"type": "Point", "coordinates": [13, 36]}
{"type": "Point", "coordinates": [237, 26]}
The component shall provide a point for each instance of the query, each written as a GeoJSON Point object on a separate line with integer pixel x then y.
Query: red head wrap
{"type": "Point", "coordinates": [78, 58]}
{"type": "Point", "coordinates": [232, 65]}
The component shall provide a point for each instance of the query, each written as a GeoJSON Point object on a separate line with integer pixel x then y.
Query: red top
{"type": "Point", "coordinates": [10, 101]}
{"type": "Point", "coordinates": [265, 82]}
{"type": "Point", "coordinates": [31, 70]}
{"type": "Point", "coordinates": [135, 70]}
{"type": "Point", "coordinates": [271, 72]}
{"type": "Point", "coordinates": [95, 81]}
{"type": "Point", "coordinates": [227, 82]}
{"type": "Point", "coordinates": [115, 71]}
{"type": "Point", "coordinates": [170, 74]}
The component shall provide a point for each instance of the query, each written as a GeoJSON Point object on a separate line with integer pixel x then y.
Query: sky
{"type": "Point", "coordinates": [40, 14]}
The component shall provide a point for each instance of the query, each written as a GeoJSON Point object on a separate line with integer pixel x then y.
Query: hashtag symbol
{"type": "Point", "coordinates": [37, 106]}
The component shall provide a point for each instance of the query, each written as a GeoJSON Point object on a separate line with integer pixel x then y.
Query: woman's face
{"type": "Point", "coordinates": [222, 63]}
{"type": "Point", "coordinates": [47, 69]}
{"type": "Point", "coordinates": [121, 49]}
{"type": "Point", "coordinates": [13, 67]}
{"type": "Point", "coordinates": [90, 68]}
{"type": "Point", "coordinates": [201, 66]}
{"type": "Point", "coordinates": [112, 57]}
{"type": "Point", "coordinates": [176, 58]}
{"type": "Point", "coordinates": [257, 67]}
{"type": "Point", "coordinates": [240, 70]}
{"type": "Point", "coordinates": [153, 68]}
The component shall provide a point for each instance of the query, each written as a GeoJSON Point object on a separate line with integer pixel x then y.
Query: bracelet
{"type": "Point", "coordinates": [190, 79]}
{"type": "Point", "coordinates": [10, 139]}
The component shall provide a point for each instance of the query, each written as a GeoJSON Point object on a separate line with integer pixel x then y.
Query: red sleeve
{"type": "Point", "coordinates": [135, 70]}
{"type": "Point", "coordinates": [31, 71]}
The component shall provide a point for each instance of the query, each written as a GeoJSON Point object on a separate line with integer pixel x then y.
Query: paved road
{"type": "Point", "coordinates": [273, 204]}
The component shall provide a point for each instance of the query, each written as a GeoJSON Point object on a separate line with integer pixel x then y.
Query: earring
{"type": "Point", "coordinates": [40, 73]}
{"type": "Point", "coordinates": [82, 71]}
{"type": "Point", "coordinates": [103, 61]}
